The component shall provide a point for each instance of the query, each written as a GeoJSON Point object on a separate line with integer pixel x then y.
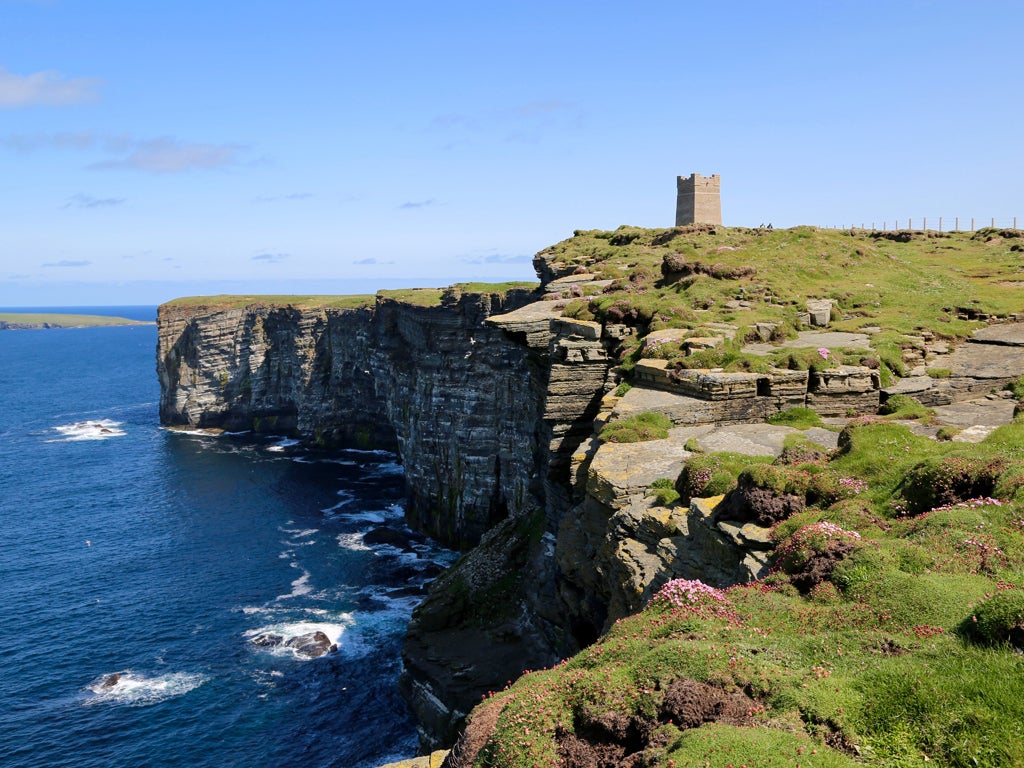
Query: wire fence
{"type": "Point", "coordinates": [935, 224]}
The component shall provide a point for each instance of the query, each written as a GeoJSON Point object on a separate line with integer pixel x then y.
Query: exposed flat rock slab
{"type": "Point", "coordinates": [921, 430]}
{"type": "Point", "coordinates": [570, 280]}
{"type": "Point", "coordinates": [912, 385]}
{"type": "Point", "coordinates": [433, 760]}
{"type": "Point", "coordinates": [1008, 334]}
{"type": "Point", "coordinates": [759, 439]}
{"type": "Point", "coordinates": [981, 412]}
{"type": "Point", "coordinates": [621, 470]}
{"type": "Point", "coordinates": [826, 438]}
{"type": "Point", "coordinates": [988, 360]}
{"type": "Point", "coordinates": [973, 434]}
{"type": "Point", "coordinates": [539, 312]}
{"type": "Point", "coordinates": [829, 339]}
{"type": "Point", "coordinates": [643, 399]}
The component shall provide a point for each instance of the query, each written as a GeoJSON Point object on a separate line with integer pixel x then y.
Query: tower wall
{"type": "Point", "coordinates": [698, 200]}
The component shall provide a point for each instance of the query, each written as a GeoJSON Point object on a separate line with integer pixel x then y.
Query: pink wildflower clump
{"type": "Point", "coordinates": [824, 352]}
{"type": "Point", "coordinates": [853, 484]}
{"type": "Point", "coordinates": [815, 537]}
{"type": "Point", "coordinates": [683, 593]}
{"type": "Point", "coordinates": [981, 501]}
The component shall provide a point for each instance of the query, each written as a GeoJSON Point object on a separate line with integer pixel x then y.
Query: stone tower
{"type": "Point", "coordinates": [698, 200]}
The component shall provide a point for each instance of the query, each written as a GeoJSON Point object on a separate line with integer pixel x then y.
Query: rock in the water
{"type": "Point", "coordinates": [390, 536]}
{"type": "Point", "coordinates": [267, 640]}
{"type": "Point", "coordinates": [312, 645]}
{"type": "Point", "coordinates": [111, 680]}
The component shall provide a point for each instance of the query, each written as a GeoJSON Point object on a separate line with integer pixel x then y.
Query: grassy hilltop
{"type": "Point", "coordinates": [901, 282]}
{"type": "Point", "coordinates": [890, 631]}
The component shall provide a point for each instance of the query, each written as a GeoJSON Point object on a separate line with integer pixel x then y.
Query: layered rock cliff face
{"type": "Point", "coordinates": [486, 398]}
{"type": "Point", "coordinates": [457, 400]}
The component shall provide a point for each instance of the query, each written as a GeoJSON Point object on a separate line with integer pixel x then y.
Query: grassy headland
{"type": "Point", "coordinates": [890, 630]}
{"type": "Point", "coordinates": [897, 285]}
{"type": "Point", "coordinates": [418, 296]}
{"type": "Point", "coordinates": [33, 320]}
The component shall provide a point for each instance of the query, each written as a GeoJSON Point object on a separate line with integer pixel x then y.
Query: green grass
{"type": "Point", "coordinates": [425, 297]}
{"type": "Point", "coordinates": [931, 281]}
{"type": "Point", "coordinates": [897, 656]}
{"type": "Point", "coordinates": [636, 429]}
{"type": "Point", "coordinates": [502, 288]}
{"type": "Point", "coordinates": [904, 407]}
{"type": "Point", "coordinates": [41, 320]}
{"type": "Point", "coordinates": [800, 418]}
{"type": "Point", "coordinates": [231, 301]}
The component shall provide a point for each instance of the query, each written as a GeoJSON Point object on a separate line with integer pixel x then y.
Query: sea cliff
{"type": "Point", "coordinates": [492, 398]}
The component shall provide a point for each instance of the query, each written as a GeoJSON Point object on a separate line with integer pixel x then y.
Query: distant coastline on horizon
{"type": "Point", "coordinates": [25, 321]}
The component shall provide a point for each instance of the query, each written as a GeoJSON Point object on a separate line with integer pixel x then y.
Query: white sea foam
{"type": "Point", "coordinates": [364, 452]}
{"type": "Point", "coordinates": [386, 469]}
{"type": "Point", "coordinates": [99, 429]}
{"type": "Point", "coordinates": [288, 630]}
{"type": "Point", "coordinates": [346, 499]}
{"type": "Point", "coordinates": [300, 586]}
{"type": "Point", "coordinates": [299, 533]}
{"type": "Point", "coordinates": [353, 542]}
{"type": "Point", "coordinates": [133, 690]}
{"type": "Point", "coordinates": [282, 444]}
{"type": "Point", "coordinates": [367, 517]}
{"type": "Point", "coordinates": [200, 432]}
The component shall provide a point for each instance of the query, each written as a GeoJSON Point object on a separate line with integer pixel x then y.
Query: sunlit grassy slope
{"type": "Point", "coordinates": [901, 281]}
{"type": "Point", "coordinates": [885, 636]}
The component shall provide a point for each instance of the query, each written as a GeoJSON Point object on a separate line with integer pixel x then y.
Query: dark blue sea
{"type": "Point", "coordinates": [159, 557]}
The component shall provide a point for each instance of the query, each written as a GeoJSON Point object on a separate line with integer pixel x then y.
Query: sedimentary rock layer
{"type": "Point", "coordinates": [456, 398]}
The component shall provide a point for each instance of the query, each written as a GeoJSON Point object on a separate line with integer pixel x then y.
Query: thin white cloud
{"type": "Point", "coordinates": [81, 140]}
{"type": "Point", "coordinates": [371, 260]}
{"type": "Point", "coordinates": [46, 88]}
{"type": "Point", "coordinates": [416, 204]}
{"type": "Point", "coordinates": [160, 155]}
{"type": "Point", "coordinates": [277, 198]}
{"type": "Point", "coordinates": [498, 258]}
{"type": "Point", "coordinates": [66, 263]}
{"type": "Point", "coordinates": [531, 122]}
{"type": "Point", "coordinates": [88, 201]}
{"type": "Point", "coordinates": [167, 155]}
{"type": "Point", "coordinates": [270, 258]}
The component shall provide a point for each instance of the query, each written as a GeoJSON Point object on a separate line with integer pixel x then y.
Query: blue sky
{"type": "Point", "coordinates": [150, 150]}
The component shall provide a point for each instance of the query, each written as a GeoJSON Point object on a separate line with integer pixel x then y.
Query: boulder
{"type": "Point", "coordinates": [312, 645]}
{"type": "Point", "coordinates": [111, 680]}
{"type": "Point", "coordinates": [389, 536]}
{"type": "Point", "coordinates": [267, 640]}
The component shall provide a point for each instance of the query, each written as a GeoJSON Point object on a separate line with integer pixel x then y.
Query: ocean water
{"type": "Point", "coordinates": [159, 557]}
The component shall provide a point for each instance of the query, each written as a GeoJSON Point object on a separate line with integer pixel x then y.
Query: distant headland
{"type": "Point", "coordinates": [23, 321]}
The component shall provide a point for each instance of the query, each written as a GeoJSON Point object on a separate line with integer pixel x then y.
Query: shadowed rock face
{"type": "Point", "coordinates": [453, 396]}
